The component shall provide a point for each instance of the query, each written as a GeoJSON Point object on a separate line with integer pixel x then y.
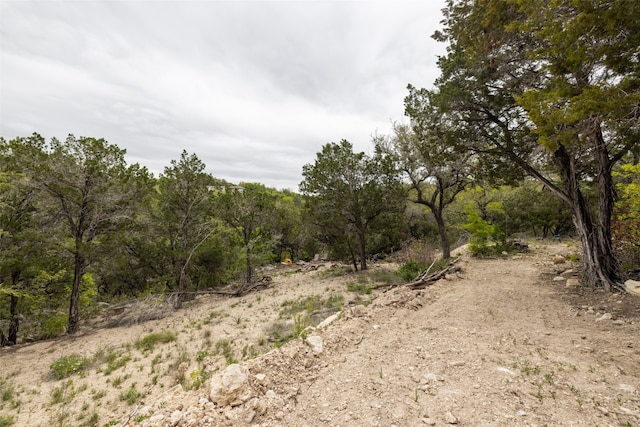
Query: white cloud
{"type": "Point", "coordinates": [253, 88]}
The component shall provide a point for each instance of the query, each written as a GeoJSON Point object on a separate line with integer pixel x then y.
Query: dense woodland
{"type": "Point", "coordinates": [531, 131]}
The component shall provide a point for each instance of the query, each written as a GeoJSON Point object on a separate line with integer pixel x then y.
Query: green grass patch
{"type": "Point", "coordinates": [132, 395]}
{"type": "Point", "coordinates": [7, 420]}
{"type": "Point", "coordinates": [66, 366]}
{"type": "Point", "coordinates": [149, 342]}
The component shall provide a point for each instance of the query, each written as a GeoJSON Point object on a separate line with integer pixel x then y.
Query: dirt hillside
{"type": "Point", "coordinates": [503, 343]}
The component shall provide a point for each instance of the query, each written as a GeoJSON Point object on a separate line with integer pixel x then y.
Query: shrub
{"type": "Point", "coordinates": [7, 421]}
{"type": "Point", "coordinates": [53, 325]}
{"type": "Point", "coordinates": [67, 365]}
{"type": "Point", "coordinates": [410, 270]}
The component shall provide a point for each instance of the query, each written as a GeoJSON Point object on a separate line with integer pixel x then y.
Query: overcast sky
{"type": "Point", "coordinates": [253, 88]}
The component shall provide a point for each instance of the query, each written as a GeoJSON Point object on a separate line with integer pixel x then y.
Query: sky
{"type": "Point", "coordinates": [253, 88]}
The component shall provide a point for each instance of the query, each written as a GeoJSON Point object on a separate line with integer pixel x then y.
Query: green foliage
{"type": "Point", "coordinates": [360, 288]}
{"type": "Point", "coordinates": [148, 342]}
{"type": "Point", "coordinates": [626, 226]}
{"type": "Point", "coordinates": [7, 420]}
{"type": "Point", "coordinates": [349, 196]}
{"type": "Point", "coordinates": [65, 393]}
{"type": "Point", "coordinates": [132, 395]}
{"type": "Point", "coordinates": [66, 366]}
{"type": "Point", "coordinates": [224, 348]}
{"type": "Point", "coordinates": [481, 233]}
{"type": "Point", "coordinates": [410, 270]}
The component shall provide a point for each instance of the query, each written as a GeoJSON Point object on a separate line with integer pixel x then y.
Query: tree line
{"type": "Point", "coordinates": [531, 128]}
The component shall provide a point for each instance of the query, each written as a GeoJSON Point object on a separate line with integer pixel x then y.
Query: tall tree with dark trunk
{"type": "Point", "coordinates": [352, 193]}
{"type": "Point", "coordinates": [81, 176]}
{"type": "Point", "coordinates": [184, 216]}
{"type": "Point", "coordinates": [248, 209]}
{"type": "Point", "coordinates": [436, 173]}
{"type": "Point", "coordinates": [522, 75]}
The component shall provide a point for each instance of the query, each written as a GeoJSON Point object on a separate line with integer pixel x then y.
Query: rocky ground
{"type": "Point", "coordinates": [505, 342]}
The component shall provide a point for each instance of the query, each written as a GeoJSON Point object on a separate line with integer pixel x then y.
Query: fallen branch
{"type": "Point", "coordinates": [425, 279]}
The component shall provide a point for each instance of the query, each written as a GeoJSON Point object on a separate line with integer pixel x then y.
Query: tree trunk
{"type": "Point", "coordinates": [249, 270]}
{"type": "Point", "coordinates": [14, 321]}
{"type": "Point", "coordinates": [601, 269]}
{"type": "Point", "coordinates": [444, 237]}
{"type": "Point", "coordinates": [363, 251]}
{"type": "Point", "coordinates": [74, 311]}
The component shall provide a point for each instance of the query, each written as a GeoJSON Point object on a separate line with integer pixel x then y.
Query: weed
{"type": "Point", "coordinates": [117, 381]}
{"type": "Point", "coordinates": [528, 369]}
{"type": "Point", "coordinates": [223, 347]}
{"type": "Point", "coordinates": [201, 355]}
{"type": "Point", "coordinates": [300, 324]}
{"type": "Point", "coordinates": [67, 365]}
{"type": "Point", "coordinates": [249, 352]}
{"type": "Point", "coordinates": [97, 395]}
{"type": "Point", "coordinates": [114, 362]}
{"type": "Point", "coordinates": [7, 420]}
{"type": "Point", "coordinates": [549, 377]}
{"type": "Point", "coordinates": [149, 342]}
{"type": "Point", "coordinates": [360, 288]}
{"type": "Point", "coordinates": [132, 395]}
{"type": "Point", "coordinates": [63, 394]}
{"type": "Point", "coordinates": [92, 421]}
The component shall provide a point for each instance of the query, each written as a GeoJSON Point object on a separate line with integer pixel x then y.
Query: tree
{"type": "Point", "coordinates": [184, 216]}
{"type": "Point", "coordinates": [247, 208]}
{"type": "Point", "coordinates": [436, 172]}
{"type": "Point", "coordinates": [21, 246]}
{"type": "Point", "coordinates": [352, 193]}
{"type": "Point", "coordinates": [554, 74]}
{"type": "Point", "coordinates": [81, 176]}
{"type": "Point", "coordinates": [79, 179]}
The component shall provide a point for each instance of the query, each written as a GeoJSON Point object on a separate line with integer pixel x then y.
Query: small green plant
{"type": "Point", "coordinates": [63, 394]}
{"type": "Point", "coordinates": [360, 288]}
{"type": "Point", "coordinates": [300, 324]}
{"type": "Point", "coordinates": [117, 381]}
{"type": "Point", "coordinates": [114, 362]}
{"type": "Point", "coordinates": [149, 342]}
{"type": "Point", "coordinates": [132, 395]}
{"type": "Point", "coordinates": [223, 347]}
{"type": "Point", "coordinates": [7, 420]}
{"type": "Point", "coordinates": [66, 366]}
{"type": "Point", "coordinates": [201, 355]}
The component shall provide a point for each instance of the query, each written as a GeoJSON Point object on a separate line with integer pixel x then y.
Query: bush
{"type": "Point", "coordinates": [53, 325]}
{"type": "Point", "coordinates": [68, 365]}
{"type": "Point", "coordinates": [410, 270]}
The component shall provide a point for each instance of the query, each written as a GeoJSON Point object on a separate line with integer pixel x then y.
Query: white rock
{"type": "Point", "coordinates": [606, 316]}
{"type": "Point", "coordinates": [315, 342]}
{"type": "Point", "coordinates": [226, 388]}
{"type": "Point", "coordinates": [176, 417]}
{"type": "Point", "coordinates": [449, 418]}
{"type": "Point", "coordinates": [632, 286]}
{"type": "Point", "coordinates": [329, 320]}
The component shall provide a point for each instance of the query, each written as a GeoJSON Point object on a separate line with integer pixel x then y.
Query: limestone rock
{"type": "Point", "coordinates": [559, 259]}
{"type": "Point", "coordinates": [572, 283]}
{"type": "Point", "coordinates": [329, 320]}
{"type": "Point", "coordinates": [226, 388]}
{"type": "Point", "coordinates": [606, 316]}
{"type": "Point", "coordinates": [632, 286]}
{"type": "Point", "coordinates": [315, 342]}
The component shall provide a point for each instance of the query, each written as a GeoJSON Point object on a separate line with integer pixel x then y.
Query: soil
{"type": "Point", "coordinates": [503, 343]}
